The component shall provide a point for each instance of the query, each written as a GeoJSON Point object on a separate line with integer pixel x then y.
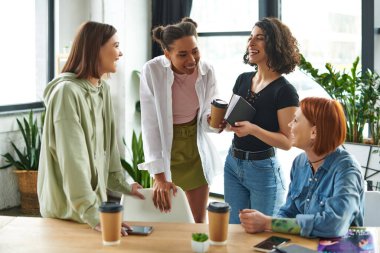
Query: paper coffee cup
{"type": "Point", "coordinates": [110, 222]}
{"type": "Point", "coordinates": [218, 110]}
{"type": "Point", "coordinates": [218, 219]}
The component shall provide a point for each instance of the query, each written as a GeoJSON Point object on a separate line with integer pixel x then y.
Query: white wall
{"type": "Point", "coordinates": [137, 52]}
{"type": "Point", "coordinates": [69, 14]}
{"type": "Point", "coordinates": [132, 20]}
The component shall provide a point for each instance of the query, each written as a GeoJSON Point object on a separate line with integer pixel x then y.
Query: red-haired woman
{"type": "Point", "coordinates": [325, 195]}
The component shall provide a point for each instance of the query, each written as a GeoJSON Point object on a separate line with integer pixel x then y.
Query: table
{"type": "Point", "coordinates": [4, 220]}
{"type": "Point", "coordinates": [43, 235]}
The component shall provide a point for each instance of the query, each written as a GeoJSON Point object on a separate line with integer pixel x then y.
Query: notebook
{"type": "Point", "coordinates": [239, 110]}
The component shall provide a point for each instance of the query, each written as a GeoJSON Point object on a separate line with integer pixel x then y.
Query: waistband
{"type": "Point", "coordinates": [186, 129]}
{"type": "Point", "coordinates": [247, 155]}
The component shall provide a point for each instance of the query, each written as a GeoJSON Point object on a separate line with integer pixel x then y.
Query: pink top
{"type": "Point", "coordinates": [185, 100]}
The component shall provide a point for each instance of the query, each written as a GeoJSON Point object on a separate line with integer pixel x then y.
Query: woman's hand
{"type": "Point", "coordinates": [243, 128]}
{"type": "Point", "coordinates": [134, 190]}
{"type": "Point", "coordinates": [123, 231]}
{"type": "Point", "coordinates": [124, 228]}
{"type": "Point", "coordinates": [161, 193]}
{"type": "Point", "coordinates": [254, 221]}
{"type": "Point", "coordinates": [98, 228]}
{"type": "Point", "coordinates": [222, 125]}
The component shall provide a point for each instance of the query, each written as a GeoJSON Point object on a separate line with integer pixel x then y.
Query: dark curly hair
{"type": "Point", "coordinates": [280, 46]}
{"type": "Point", "coordinates": [166, 35]}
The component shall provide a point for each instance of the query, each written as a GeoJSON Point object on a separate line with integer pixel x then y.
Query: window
{"type": "Point", "coordinates": [224, 27]}
{"type": "Point", "coordinates": [329, 33]}
{"type": "Point", "coordinates": [24, 46]}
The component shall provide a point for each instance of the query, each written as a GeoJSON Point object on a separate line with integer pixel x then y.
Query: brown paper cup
{"type": "Point", "coordinates": [218, 219]}
{"type": "Point", "coordinates": [110, 222]}
{"type": "Point", "coordinates": [218, 110]}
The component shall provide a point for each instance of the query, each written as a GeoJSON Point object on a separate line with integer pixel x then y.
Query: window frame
{"type": "Point", "coordinates": [9, 109]}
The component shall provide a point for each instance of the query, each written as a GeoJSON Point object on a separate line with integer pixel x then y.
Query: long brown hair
{"type": "Point", "coordinates": [327, 116]}
{"type": "Point", "coordinates": [83, 59]}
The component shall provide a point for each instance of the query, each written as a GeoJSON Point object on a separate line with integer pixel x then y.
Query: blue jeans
{"type": "Point", "coordinates": [253, 184]}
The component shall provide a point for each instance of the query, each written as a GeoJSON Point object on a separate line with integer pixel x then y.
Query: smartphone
{"type": "Point", "coordinates": [139, 230]}
{"type": "Point", "coordinates": [269, 244]}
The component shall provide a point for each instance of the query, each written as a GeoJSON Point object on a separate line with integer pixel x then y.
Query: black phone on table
{"type": "Point", "coordinates": [270, 244]}
{"type": "Point", "coordinates": [139, 230]}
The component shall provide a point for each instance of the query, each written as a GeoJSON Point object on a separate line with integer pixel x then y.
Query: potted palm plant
{"type": "Point", "coordinates": [25, 161]}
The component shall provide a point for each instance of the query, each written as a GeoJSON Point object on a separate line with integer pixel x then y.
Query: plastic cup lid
{"type": "Point", "coordinates": [219, 207]}
{"type": "Point", "coordinates": [110, 207]}
{"type": "Point", "coordinates": [219, 103]}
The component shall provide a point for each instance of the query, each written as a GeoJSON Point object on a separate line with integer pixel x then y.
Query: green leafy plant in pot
{"type": "Point", "coordinates": [199, 242]}
{"type": "Point", "coordinates": [137, 156]}
{"type": "Point", "coordinates": [26, 162]}
{"type": "Point", "coordinates": [358, 93]}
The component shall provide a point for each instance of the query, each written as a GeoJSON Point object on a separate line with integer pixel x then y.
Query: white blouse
{"type": "Point", "coordinates": [157, 117]}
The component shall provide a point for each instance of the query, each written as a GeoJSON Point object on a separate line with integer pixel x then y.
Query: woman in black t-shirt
{"type": "Point", "coordinates": [252, 175]}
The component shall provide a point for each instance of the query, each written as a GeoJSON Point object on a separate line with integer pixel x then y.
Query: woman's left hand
{"type": "Point", "coordinates": [135, 192]}
{"type": "Point", "coordinates": [243, 128]}
{"type": "Point", "coordinates": [254, 221]}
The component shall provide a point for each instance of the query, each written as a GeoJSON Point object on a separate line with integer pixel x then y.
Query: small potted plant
{"type": "Point", "coordinates": [199, 242]}
{"type": "Point", "coordinates": [25, 161]}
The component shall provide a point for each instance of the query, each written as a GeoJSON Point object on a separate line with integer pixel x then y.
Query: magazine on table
{"type": "Point", "coordinates": [357, 240]}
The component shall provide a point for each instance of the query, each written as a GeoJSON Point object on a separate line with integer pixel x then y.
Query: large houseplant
{"type": "Point", "coordinates": [357, 91]}
{"type": "Point", "coordinates": [26, 161]}
{"type": "Point", "coordinates": [137, 156]}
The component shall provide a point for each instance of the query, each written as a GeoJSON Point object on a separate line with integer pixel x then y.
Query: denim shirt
{"type": "Point", "coordinates": [327, 203]}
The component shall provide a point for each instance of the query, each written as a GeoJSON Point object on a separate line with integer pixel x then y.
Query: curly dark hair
{"type": "Point", "coordinates": [167, 35]}
{"type": "Point", "coordinates": [280, 46]}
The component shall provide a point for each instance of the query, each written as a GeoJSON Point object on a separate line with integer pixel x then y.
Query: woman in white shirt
{"type": "Point", "coordinates": [176, 92]}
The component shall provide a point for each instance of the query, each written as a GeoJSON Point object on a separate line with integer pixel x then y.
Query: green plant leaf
{"type": "Point", "coordinates": [128, 168]}
{"type": "Point", "coordinates": [357, 91]}
{"type": "Point", "coordinates": [137, 156]}
{"type": "Point", "coordinates": [199, 237]}
{"type": "Point", "coordinates": [23, 158]}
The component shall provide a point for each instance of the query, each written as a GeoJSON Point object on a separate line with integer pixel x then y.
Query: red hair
{"type": "Point", "coordinates": [327, 115]}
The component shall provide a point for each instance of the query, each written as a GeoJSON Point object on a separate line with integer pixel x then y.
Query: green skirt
{"type": "Point", "coordinates": [185, 164]}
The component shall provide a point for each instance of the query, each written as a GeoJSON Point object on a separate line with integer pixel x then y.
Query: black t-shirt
{"type": "Point", "coordinates": [277, 95]}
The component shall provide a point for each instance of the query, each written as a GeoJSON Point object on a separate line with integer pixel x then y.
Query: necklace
{"type": "Point", "coordinates": [317, 160]}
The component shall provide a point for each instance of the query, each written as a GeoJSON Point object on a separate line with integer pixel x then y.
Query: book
{"type": "Point", "coordinates": [295, 248]}
{"type": "Point", "coordinates": [239, 110]}
{"type": "Point", "coordinates": [357, 240]}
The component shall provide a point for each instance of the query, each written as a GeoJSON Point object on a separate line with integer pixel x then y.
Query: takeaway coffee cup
{"type": "Point", "coordinates": [218, 110]}
{"type": "Point", "coordinates": [218, 219]}
{"type": "Point", "coordinates": [110, 222]}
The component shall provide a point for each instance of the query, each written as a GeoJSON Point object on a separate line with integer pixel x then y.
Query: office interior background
{"type": "Point", "coordinates": [37, 35]}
